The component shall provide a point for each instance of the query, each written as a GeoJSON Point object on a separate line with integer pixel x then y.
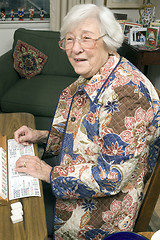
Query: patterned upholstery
{"type": "Point", "coordinates": [28, 61]}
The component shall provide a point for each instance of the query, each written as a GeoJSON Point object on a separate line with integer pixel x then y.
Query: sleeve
{"type": "Point", "coordinates": [124, 131]}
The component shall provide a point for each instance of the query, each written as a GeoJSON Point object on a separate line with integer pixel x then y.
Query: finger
{"type": "Point", "coordinates": [16, 136]}
{"type": "Point", "coordinates": [22, 161]}
{"type": "Point", "coordinates": [20, 164]}
{"type": "Point", "coordinates": [23, 139]}
{"type": "Point", "coordinates": [28, 169]}
{"type": "Point", "coordinates": [28, 160]}
{"type": "Point", "coordinates": [21, 169]}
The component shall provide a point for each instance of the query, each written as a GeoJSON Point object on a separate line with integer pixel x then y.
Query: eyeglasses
{"type": "Point", "coordinates": [85, 42]}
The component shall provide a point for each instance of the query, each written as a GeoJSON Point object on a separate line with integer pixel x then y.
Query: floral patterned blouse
{"type": "Point", "coordinates": [106, 131]}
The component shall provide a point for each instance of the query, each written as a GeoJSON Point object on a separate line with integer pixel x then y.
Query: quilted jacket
{"type": "Point", "coordinates": [106, 131]}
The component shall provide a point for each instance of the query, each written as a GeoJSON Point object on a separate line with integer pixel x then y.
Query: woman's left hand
{"type": "Point", "coordinates": [33, 166]}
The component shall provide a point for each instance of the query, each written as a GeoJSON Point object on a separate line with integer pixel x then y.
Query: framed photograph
{"type": "Point", "coordinates": [122, 23]}
{"type": "Point", "coordinates": [127, 27]}
{"type": "Point", "coordinates": [124, 3]}
{"type": "Point", "coordinates": [137, 36]}
{"type": "Point", "coordinates": [152, 37]}
{"type": "Point", "coordinates": [156, 24]}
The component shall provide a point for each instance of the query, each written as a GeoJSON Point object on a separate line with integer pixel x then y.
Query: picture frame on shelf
{"type": "Point", "coordinates": [152, 37]}
{"type": "Point", "coordinates": [122, 23]}
{"type": "Point", "coordinates": [128, 26]}
{"type": "Point", "coordinates": [156, 24]}
{"type": "Point", "coordinates": [124, 3]}
{"type": "Point", "coordinates": [137, 36]}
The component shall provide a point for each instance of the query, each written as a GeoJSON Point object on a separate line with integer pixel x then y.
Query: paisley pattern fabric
{"type": "Point", "coordinates": [106, 131]}
{"type": "Point", "coordinates": [28, 61]}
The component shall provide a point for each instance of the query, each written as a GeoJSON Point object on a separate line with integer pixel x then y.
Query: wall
{"type": "Point", "coordinates": [7, 29]}
{"type": "Point", "coordinates": [133, 14]}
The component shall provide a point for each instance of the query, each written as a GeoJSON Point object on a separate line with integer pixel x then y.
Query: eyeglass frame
{"type": "Point", "coordinates": [95, 40]}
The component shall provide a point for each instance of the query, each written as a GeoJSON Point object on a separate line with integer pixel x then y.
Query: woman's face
{"type": "Point", "coordinates": [87, 62]}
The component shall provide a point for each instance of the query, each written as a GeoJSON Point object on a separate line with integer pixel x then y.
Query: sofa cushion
{"type": "Point", "coordinates": [38, 95]}
{"type": "Point", "coordinates": [43, 123]}
{"type": "Point", "coordinates": [8, 76]}
{"type": "Point", "coordinates": [28, 60]}
{"type": "Point", "coordinates": [47, 42]}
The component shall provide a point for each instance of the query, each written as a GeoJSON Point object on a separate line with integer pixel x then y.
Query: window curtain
{"type": "Point", "coordinates": [59, 8]}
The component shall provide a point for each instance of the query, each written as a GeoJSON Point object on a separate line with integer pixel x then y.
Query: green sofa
{"type": "Point", "coordinates": [39, 94]}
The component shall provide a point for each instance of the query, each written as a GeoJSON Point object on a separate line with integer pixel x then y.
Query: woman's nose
{"type": "Point", "coordinates": [77, 46]}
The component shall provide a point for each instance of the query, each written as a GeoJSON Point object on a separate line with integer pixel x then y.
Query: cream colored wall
{"type": "Point", "coordinates": [8, 28]}
{"type": "Point", "coordinates": [157, 4]}
{"type": "Point", "coordinates": [133, 14]}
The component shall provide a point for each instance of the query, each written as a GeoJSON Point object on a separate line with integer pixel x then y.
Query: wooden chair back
{"type": "Point", "coordinates": [150, 199]}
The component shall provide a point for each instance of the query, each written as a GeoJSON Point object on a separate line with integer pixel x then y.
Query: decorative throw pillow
{"type": "Point", "coordinates": [28, 61]}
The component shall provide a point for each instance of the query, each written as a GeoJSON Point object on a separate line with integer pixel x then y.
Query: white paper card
{"type": "Point", "coordinates": [20, 184]}
{"type": "Point", "coordinates": [3, 173]}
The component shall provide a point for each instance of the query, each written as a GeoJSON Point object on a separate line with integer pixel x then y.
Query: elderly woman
{"type": "Point", "coordinates": [104, 130]}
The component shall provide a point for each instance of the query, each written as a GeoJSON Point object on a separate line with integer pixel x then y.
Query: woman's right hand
{"type": "Point", "coordinates": [25, 135]}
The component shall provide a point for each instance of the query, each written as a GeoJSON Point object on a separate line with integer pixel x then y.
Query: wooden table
{"type": "Point", "coordinates": [141, 58]}
{"type": "Point", "coordinates": [33, 226]}
{"type": "Point", "coordinates": [147, 234]}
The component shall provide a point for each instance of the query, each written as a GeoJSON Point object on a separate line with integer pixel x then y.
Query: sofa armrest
{"type": "Point", "coordinates": [8, 75]}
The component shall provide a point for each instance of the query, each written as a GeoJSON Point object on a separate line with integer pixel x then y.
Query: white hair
{"type": "Point", "coordinates": [108, 24]}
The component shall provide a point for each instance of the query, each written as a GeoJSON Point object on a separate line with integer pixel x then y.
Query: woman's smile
{"type": "Point", "coordinates": [80, 60]}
